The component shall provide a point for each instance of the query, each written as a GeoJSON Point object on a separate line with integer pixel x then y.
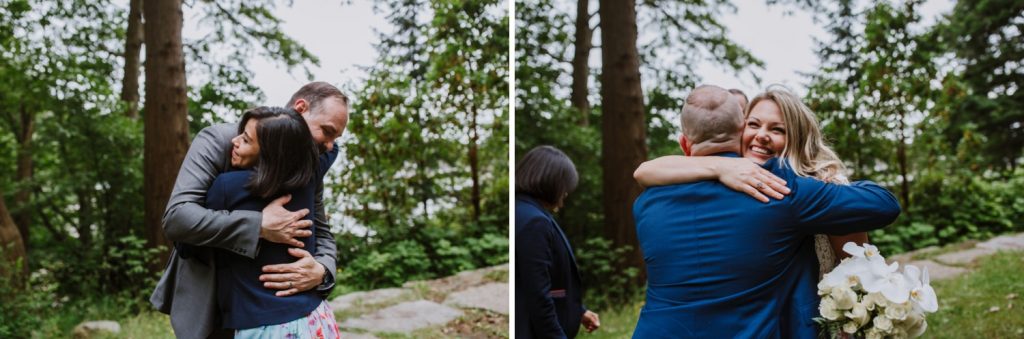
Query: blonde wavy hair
{"type": "Point", "coordinates": [806, 150]}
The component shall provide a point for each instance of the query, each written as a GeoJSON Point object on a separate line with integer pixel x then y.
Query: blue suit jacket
{"type": "Point", "coordinates": [723, 265]}
{"type": "Point", "coordinates": [549, 295]}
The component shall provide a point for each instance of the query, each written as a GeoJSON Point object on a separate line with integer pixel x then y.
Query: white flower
{"type": "Point", "coordinates": [850, 327]}
{"type": "Point", "coordinates": [847, 273]}
{"type": "Point", "coordinates": [882, 323]}
{"type": "Point", "coordinates": [915, 325]}
{"type": "Point", "coordinates": [869, 252]}
{"type": "Point", "coordinates": [827, 307]}
{"type": "Point", "coordinates": [873, 333]}
{"type": "Point", "coordinates": [844, 297]}
{"type": "Point", "coordinates": [858, 314]}
{"type": "Point", "coordinates": [898, 333]}
{"type": "Point", "coordinates": [823, 287]}
{"type": "Point", "coordinates": [920, 291]}
{"type": "Point", "coordinates": [898, 311]}
{"type": "Point", "coordinates": [893, 285]}
{"type": "Point", "coordinates": [871, 300]}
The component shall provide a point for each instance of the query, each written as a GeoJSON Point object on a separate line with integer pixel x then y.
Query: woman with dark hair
{"type": "Point", "coordinates": [548, 290]}
{"type": "Point", "coordinates": [274, 155]}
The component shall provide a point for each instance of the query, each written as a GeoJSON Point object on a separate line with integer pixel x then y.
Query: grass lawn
{"type": "Point", "coordinates": [964, 304]}
{"type": "Point", "coordinates": [616, 323]}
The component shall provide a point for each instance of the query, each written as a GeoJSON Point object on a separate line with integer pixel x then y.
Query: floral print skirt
{"type": "Point", "coordinates": [319, 324]}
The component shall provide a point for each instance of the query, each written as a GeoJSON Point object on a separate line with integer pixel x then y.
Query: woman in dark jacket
{"type": "Point", "coordinates": [548, 291]}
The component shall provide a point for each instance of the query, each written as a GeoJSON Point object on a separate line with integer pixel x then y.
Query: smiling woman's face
{"type": "Point", "coordinates": [246, 148]}
{"type": "Point", "coordinates": [764, 135]}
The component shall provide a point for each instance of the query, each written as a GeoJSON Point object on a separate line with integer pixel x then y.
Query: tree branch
{"type": "Point", "coordinates": [57, 235]}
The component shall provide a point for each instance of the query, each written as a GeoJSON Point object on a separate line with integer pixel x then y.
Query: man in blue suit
{"type": "Point", "coordinates": [723, 265]}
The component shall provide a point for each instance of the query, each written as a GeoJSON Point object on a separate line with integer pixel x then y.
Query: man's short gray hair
{"type": "Point", "coordinates": [711, 114]}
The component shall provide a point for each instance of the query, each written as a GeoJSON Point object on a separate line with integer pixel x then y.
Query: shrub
{"type": "Point", "coordinates": [950, 209]}
{"type": "Point", "coordinates": [599, 263]}
{"type": "Point", "coordinates": [20, 303]}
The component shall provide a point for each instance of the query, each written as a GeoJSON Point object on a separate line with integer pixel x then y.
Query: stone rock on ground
{"type": "Point", "coordinates": [963, 257]}
{"type": "Point", "coordinates": [368, 297]}
{"type": "Point", "coordinates": [90, 329]}
{"type": "Point", "coordinates": [937, 271]}
{"type": "Point", "coordinates": [492, 296]}
{"type": "Point", "coordinates": [1005, 242]}
{"type": "Point", "coordinates": [405, 317]}
{"type": "Point", "coordinates": [460, 281]}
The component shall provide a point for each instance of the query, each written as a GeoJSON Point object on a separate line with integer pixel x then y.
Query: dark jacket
{"type": "Point", "coordinates": [241, 297]}
{"type": "Point", "coordinates": [549, 295]}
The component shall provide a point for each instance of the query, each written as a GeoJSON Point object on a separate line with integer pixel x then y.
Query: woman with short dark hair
{"type": "Point", "coordinates": [273, 155]}
{"type": "Point", "coordinates": [548, 290]}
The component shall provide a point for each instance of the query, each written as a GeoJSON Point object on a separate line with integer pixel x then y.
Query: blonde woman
{"type": "Point", "coordinates": [777, 124]}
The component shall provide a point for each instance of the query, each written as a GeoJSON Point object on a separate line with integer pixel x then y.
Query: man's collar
{"type": "Point", "coordinates": [725, 154]}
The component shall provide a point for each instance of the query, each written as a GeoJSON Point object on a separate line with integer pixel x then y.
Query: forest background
{"type": "Point", "coordinates": [99, 101]}
{"type": "Point", "coordinates": [933, 111]}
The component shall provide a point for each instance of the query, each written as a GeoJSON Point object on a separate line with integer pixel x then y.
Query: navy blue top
{"type": "Point", "coordinates": [723, 265]}
{"type": "Point", "coordinates": [549, 294]}
{"type": "Point", "coordinates": [241, 297]}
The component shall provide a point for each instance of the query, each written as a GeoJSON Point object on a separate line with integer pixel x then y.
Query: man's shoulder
{"type": "Point", "coordinates": [218, 132]}
{"type": "Point", "coordinates": [780, 168]}
{"type": "Point", "coordinates": [655, 192]}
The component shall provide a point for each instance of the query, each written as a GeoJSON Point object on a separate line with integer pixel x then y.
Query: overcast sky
{"type": "Point", "coordinates": [784, 42]}
{"type": "Point", "coordinates": [342, 36]}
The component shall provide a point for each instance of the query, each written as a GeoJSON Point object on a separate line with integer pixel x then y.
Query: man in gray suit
{"type": "Point", "coordinates": [186, 289]}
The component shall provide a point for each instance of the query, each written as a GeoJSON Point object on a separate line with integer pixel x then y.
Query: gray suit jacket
{"type": "Point", "coordinates": [186, 289]}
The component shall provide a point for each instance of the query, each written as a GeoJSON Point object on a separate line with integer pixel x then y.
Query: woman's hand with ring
{"type": "Point", "coordinates": [745, 176]}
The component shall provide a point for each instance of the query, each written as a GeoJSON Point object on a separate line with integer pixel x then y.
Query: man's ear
{"type": "Point", "coordinates": [301, 106]}
{"type": "Point", "coordinates": [684, 144]}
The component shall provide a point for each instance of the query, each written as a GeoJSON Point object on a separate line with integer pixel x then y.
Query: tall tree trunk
{"type": "Point", "coordinates": [165, 122]}
{"type": "Point", "coordinates": [132, 49]}
{"type": "Point", "coordinates": [581, 62]}
{"type": "Point", "coordinates": [85, 217]}
{"type": "Point", "coordinates": [10, 239]}
{"type": "Point", "coordinates": [474, 161]}
{"type": "Point", "coordinates": [23, 212]}
{"type": "Point", "coordinates": [623, 129]}
{"type": "Point", "coordinates": [901, 155]}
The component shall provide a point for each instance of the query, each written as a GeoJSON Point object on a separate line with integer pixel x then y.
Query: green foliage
{"type": "Point", "coordinates": [426, 181]}
{"type": "Point", "coordinates": [60, 78]}
{"type": "Point", "coordinates": [983, 39]}
{"type": "Point", "coordinates": [440, 252]}
{"type": "Point", "coordinates": [603, 262]}
{"type": "Point", "coordinates": [19, 305]}
{"type": "Point", "coordinates": [952, 209]}
{"type": "Point", "coordinates": [392, 265]}
{"type": "Point", "coordinates": [122, 271]}
{"type": "Point", "coordinates": [900, 115]}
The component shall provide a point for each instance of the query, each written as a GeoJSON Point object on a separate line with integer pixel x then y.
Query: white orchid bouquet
{"type": "Point", "coordinates": [866, 298]}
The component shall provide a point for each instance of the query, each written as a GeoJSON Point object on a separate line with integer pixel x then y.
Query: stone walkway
{"type": "Point", "coordinates": [442, 303]}
{"type": "Point", "coordinates": [953, 264]}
